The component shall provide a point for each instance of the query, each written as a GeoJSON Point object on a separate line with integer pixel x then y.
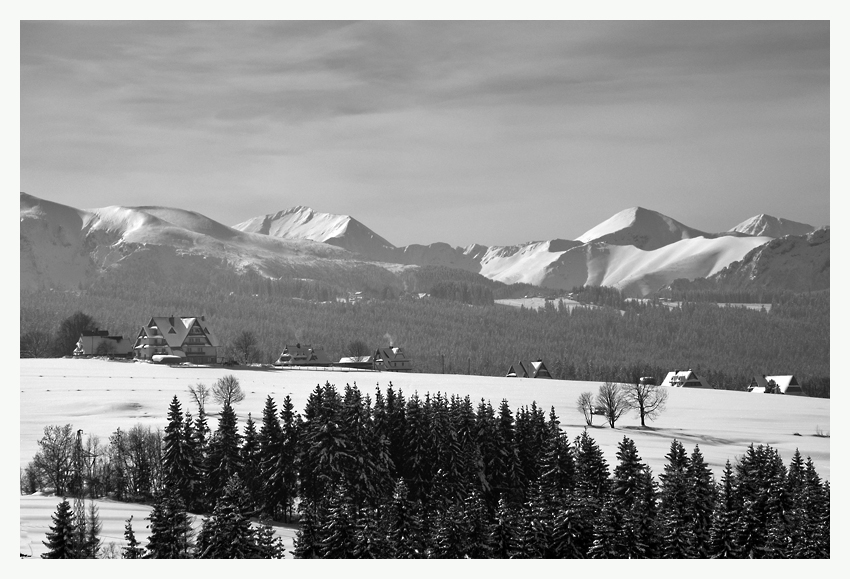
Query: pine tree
{"type": "Point", "coordinates": [288, 466]}
{"type": "Point", "coordinates": [227, 532]}
{"type": "Point", "coordinates": [722, 535]}
{"type": "Point", "coordinates": [60, 539]}
{"type": "Point", "coordinates": [404, 525]}
{"type": "Point", "coordinates": [675, 512]}
{"type": "Point", "coordinates": [268, 545]}
{"type": "Point", "coordinates": [250, 461]}
{"type": "Point", "coordinates": [308, 537]}
{"type": "Point", "coordinates": [702, 498]}
{"type": "Point", "coordinates": [504, 533]}
{"type": "Point", "coordinates": [133, 550]}
{"type": "Point", "coordinates": [338, 531]}
{"type": "Point", "coordinates": [93, 528]}
{"type": "Point", "coordinates": [171, 531]}
{"type": "Point", "coordinates": [223, 454]}
{"type": "Point", "coordinates": [270, 441]}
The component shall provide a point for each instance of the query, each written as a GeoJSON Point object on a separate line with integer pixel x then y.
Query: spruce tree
{"type": "Point", "coordinates": [404, 525]}
{"type": "Point", "coordinates": [133, 550]}
{"type": "Point", "coordinates": [93, 528]}
{"type": "Point", "coordinates": [223, 454]}
{"type": "Point", "coordinates": [270, 442]}
{"type": "Point", "coordinates": [722, 535]}
{"type": "Point", "coordinates": [675, 513]}
{"type": "Point", "coordinates": [60, 539]}
{"type": "Point", "coordinates": [703, 495]}
{"type": "Point", "coordinates": [171, 530]}
{"type": "Point", "coordinates": [504, 532]}
{"type": "Point", "coordinates": [227, 532]}
{"type": "Point", "coordinates": [249, 458]}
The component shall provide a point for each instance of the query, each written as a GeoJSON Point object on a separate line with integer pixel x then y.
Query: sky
{"type": "Point", "coordinates": [490, 132]}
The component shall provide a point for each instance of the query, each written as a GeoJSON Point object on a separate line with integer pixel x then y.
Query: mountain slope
{"type": "Point", "coordinates": [304, 223]}
{"type": "Point", "coordinates": [642, 228]}
{"type": "Point", "coordinates": [793, 262]}
{"type": "Point", "coordinates": [53, 252]}
{"type": "Point", "coordinates": [769, 226]}
{"type": "Point", "coordinates": [636, 250]}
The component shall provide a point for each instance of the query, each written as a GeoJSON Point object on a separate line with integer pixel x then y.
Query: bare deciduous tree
{"type": "Point", "coordinates": [357, 348]}
{"type": "Point", "coordinates": [648, 399]}
{"type": "Point", "coordinates": [245, 346]}
{"type": "Point", "coordinates": [611, 400]}
{"type": "Point", "coordinates": [36, 344]}
{"type": "Point", "coordinates": [227, 391]}
{"type": "Point", "coordinates": [200, 393]}
{"type": "Point", "coordinates": [585, 406]}
{"type": "Point", "coordinates": [54, 457]}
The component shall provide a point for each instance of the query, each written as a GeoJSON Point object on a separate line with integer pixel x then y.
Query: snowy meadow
{"type": "Point", "coordinates": [99, 396]}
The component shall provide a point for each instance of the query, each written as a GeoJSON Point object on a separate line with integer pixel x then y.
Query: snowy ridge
{"type": "Point", "coordinates": [636, 250]}
{"type": "Point", "coordinates": [304, 223]}
{"type": "Point", "coordinates": [772, 226]}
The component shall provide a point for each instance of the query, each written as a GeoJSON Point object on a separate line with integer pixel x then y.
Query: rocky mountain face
{"type": "Point", "coordinates": [637, 250]}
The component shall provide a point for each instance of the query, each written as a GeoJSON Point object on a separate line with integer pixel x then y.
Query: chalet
{"type": "Point", "coordinates": [775, 385]}
{"type": "Point", "coordinates": [684, 379]}
{"type": "Point", "coordinates": [525, 369]}
{"type": "Point", "coordinates": [187, 338]}
{"type": "Point", "coordinates": [303, 355]}
{"type": "Point", "coordinates": [391, 359]}
{"type": "Point", "coordinates": [360, 362]}
{"type": "Point", "coordinates": [100, 343]}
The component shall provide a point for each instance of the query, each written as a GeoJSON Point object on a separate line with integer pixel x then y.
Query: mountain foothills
{"type": "Point", "coordinates": [637, 251]}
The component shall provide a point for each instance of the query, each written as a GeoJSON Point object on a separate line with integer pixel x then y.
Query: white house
{"type": "Point", "coordinates": [303, 355]}
{"type": "Point", "coordinates": [787, 384]}
{"type": "Point", "coordinates": [684, 379]}
{"type": "Point", "coordinates": [187, 338]}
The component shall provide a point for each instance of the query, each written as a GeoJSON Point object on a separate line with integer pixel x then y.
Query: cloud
{"type": "Point", "coordinates": [454, 120]}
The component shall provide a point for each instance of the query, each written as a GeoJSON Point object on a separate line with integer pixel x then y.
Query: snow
{"type": "Point", "coordinates": [100, 396]}
{"type": "Point", "coordinates": [766, 225]}
{"type": "Point", "coordinates": [641, 227]}
{"type": "Point", "coordinates": [518, 264]}
{"type": "Point", "coordinates": [37, 510]}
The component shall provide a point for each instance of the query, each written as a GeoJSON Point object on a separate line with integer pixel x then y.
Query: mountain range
{"type": "Point", "coordinates": [637, 250]}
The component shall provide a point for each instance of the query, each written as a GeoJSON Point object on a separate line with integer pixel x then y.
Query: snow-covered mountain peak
{"type": "Point", "coordinates": [642, 228]}
{"type": "Point", "coordinates": [769, 226]}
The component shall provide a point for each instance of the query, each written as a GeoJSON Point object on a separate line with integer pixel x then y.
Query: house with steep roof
{"type": "Point", "coordinates": [684, 379]}
{"type": "Point", "coordinates": [100, 343]}
{"type": "Point", "coordinates": [187, 338]}
{"type": "Point", "coordinates": [391, 359]}
{"type": "Point", "coordinates": [786, 384]}
{"type": "Point", "coordinates": [525, 369]}
{"type": "Point", "coordinates": [303, 355]}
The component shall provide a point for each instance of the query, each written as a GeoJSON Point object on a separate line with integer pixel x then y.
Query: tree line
{"type": "Point", "coordinates": [434, 476]}
{"type": "Point", "coordinates": [728, 346]}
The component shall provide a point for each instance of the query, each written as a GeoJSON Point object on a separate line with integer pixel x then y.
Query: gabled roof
{"type": "Point", "coordinates": [176, 330]}
{"type": "Point", "coordinates": [394, 354]}
{"type": "Point", "coordinates": [356, 360]}
{"type": "Point", "coordinates": [787, 384]}
{"type": "Point", "coordinates": [526, 369]}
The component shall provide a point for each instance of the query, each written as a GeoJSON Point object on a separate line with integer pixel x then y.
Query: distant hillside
{"type": "Point", "coordinates": [791, 264]}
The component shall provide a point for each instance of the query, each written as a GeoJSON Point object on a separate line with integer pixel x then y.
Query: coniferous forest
{"type": "Point", "coordinates": [430, 477]}
{"type": "Point", "coordinates": [458, 329]}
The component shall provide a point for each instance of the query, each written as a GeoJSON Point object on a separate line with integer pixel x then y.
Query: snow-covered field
{"type": "Point", "coordinates": [100, 396]}
{"type": "Point", "coordinates": [540, 303]}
